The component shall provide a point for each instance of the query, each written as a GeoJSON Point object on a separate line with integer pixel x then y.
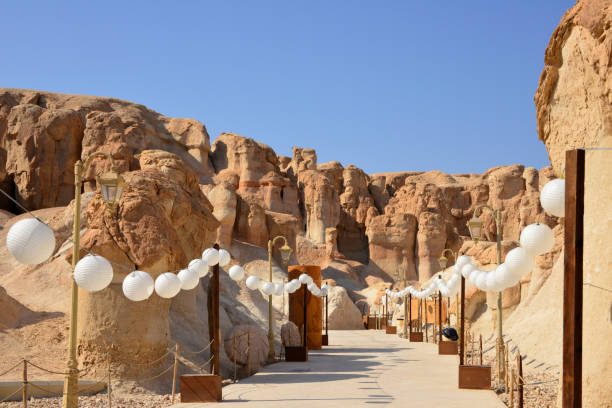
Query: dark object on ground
{"type": "Point", "coordinates": [450, 334]}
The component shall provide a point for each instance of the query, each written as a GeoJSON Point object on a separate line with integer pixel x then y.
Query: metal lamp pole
{"type": "Point", "coordinates": [111, 185]}
{"type": "Point", "coordinates": [475, 227]}
{"type": "Point", "coordinates": [285, 254]}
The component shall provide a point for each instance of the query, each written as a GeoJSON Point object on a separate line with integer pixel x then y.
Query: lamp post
{"type": "Point", "coordinates": [443, 262]}
{"type": "Point", "coordinates": [285, 254]}
{"type": "Point", "coordinates": [111, 184]}
{"type": "Point", "coordinates": [475, 227]}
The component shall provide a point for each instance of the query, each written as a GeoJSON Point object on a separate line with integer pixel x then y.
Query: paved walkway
{"type": "Point", "coordinates": [360, 369]}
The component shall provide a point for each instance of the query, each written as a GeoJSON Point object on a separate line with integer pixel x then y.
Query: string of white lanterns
{"type": "Point", "coordinates": [237, 273]}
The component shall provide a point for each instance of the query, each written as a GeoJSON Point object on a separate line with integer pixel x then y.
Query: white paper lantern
{"type": "Point", "coordinates": [138, 286]}
{"type": "Point", "coordinates": [461, 262]}
{"type": "Point", "coordinates": [167, 285]}
{"type": "Point", "coordinates": [552, 197]}
{"type": "Point", "coordinates": [504, 278]}
{"type": "Point", "coordinates": [93, 273]}
{"type": "Point", "coordinates": [30, 241]}
{"type": "Point", "coordinates": [189, 279]}
{"type": "Point", "coordinates": [474, 276]}
{"type": "Point", "coordinates": [492, 281]}
{"type": "Point", "coordinates": [467, 270]}
{"type": "Point", "coordinates": [324, 292]}
{"type": "Point", "coordinates": [278, 289]}
{"type": "Point", "coordinates": [267, 288]}
{"type": "Point", "coordinates": [237, 272]}
{"type": "Point", "coordinates": [312, 286]}
{"type": "Point", "coordinates": [224, 258]}
{"type": "Point", "coordinates": [210, 256]}
{"type": "Point", "coordinates": [519, 262]}
{"type": "Point", "coordinates": [305, 279]}
{"type": "Point", "coordinates": [289, 287]}
{"type": "Point", "coordinates": [199, 267]}
{"type": "Point", "coordinates": [481, 281]}
{"type": "Point", "coordinates": [252, 282]}
{"type": "Point", "coordinates": [537, 239]}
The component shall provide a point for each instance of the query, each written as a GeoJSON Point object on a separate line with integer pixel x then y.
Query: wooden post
{"type": "Point", "coordinates": [410, 312]}
{"type": "Point", "coordinates": [176, 354]}
{"type": "Point", "coordinates": [519, 365]}
{"type": "Point", "coordinates": [305, 313]}
{"type": "Point", "coordinates": [481, 349]}
{"type": "Point", "coordinates": [439, 317]}
{"type": "Point", "coordinates": [425, 311]}
{"type": "Point", "coordinates": [573, 279]}
{"type": "Point", "coordinates": [462, 324]}
{"type": "Point", "coordinates": [386, 310]}
{"type": "Point", "coordinates": [24, 391]}
{"type": "Point", "coordinates": [435, 323]}
{"type": "Point", "coordinates": [215, 311]}
{"type": "Point", "coordinates": [506, 366]}
{"type": "Point", "coordinates": [512, 384]}
{"type": "Point", "coordinates": [326, 317]}
{"type": "Point", "coordinates": [108, 384]}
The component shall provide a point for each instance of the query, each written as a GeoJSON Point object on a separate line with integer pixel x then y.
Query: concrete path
{"type": "Point", "coordinates": [360, 369]}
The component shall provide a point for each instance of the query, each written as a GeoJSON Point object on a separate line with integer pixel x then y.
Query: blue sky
{"type": "Point", "coordinates": [383, 85]}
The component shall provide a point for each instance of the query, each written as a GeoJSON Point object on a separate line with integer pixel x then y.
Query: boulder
{"type": "Point", "coordinates": [290, 334]}
{"type": "Point", "coordinates": [244, 342]}
{"type": "Point", "coordinates": [342, 313]}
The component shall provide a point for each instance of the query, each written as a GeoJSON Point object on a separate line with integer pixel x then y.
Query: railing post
{"type": "Point", "coordinates": [176, 355]}
{"type": "Point", "coordinates": [519, 364]}
{"type": "Point", "coordinates": [24, 392]}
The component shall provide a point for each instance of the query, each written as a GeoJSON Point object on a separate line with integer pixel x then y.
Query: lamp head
{"type": "Point", "coordinates": [443, 261]}
{"type": "Point", "coordinates": [111, 184]}
{"type": "Point", "coordinates": [285, 253]}
{"type": "Point", "coordinates": [475, 227]}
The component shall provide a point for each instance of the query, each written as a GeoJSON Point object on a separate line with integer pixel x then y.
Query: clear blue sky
{"type": "Point", "coordinates": [385, 85]}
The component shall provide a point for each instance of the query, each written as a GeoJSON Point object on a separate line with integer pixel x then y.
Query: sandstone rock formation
{"type": "Point", "coordinates": [70, 127]}
{"type": "Point", "coordinates": [342, 313]}
{"type": "Point", "coordinates": [244, 342]}
{"type": "Point", "coordinates": [290, 334]}
{"type": "Point", "coordinates": [573, 97]}
{"type": "Point", "coordinates": [574, 110]}
{"type": "Point", "coordinates": [367, 232]}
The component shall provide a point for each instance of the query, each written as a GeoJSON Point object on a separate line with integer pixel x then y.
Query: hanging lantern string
{"type": "Point", "coordinates": [21, 206]}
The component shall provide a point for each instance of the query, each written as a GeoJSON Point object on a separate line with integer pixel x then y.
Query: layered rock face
{"type": "Point", "coordinates": [42, 135]}
{"type": "Point", "coordinates": [573, 102]}
{"type": "Point", "coordinates": [574, 109]}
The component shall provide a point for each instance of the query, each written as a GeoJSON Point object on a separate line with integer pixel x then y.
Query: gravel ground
{"type": "Point", "coordinates": [100, 401]}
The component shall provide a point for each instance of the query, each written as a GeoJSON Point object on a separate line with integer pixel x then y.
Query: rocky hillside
{"type": "Point", "coordinates": [364, 230]}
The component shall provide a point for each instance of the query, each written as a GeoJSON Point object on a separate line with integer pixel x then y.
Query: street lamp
{"type": "Point", "coordinates": [475, 227]}
{"type": "Point", "coordinates": [111, 185]}
{"type": "Point", "coordinates": [443, 262]}
{"type": "Point", "coordinates": [285, 251]}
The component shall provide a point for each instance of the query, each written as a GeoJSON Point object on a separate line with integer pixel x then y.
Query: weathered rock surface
{"type": "Point", "coordinates": [290, 334]}
{"type": "Point", "coordinates": [572, 101]}
{"type": "Point", "coordinates": [574, 109]}
{"type": "Point", "coordinates": [342, 313]}
{"type": "Point", "coordinates": [244, 342]}
{"type": "Point", "coordinates": [42, 135]}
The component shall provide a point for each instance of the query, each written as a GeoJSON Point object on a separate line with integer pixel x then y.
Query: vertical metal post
{"type": "Point", "coordinates": [71, 392]}
{"type": "Point", "coordinates": [500, 338]}
{"type": "Point", "coordinates": [215, 310]}
{"type": "Point", "coordinates": [326, 317]}
{"type": "Point", "coordinates": [573, 279]}
{"type": "Point", "coordinates": [439, 317]}
{"type": "Point", "coordinates": [271, 354]}
{"type": "Point", "coordinates": [462, 324]}
{"type": "Point", "coordinates": [406, 321]}
{"type": "Point", "coordinates": [305, 314]}
{"type": "Point", "coordinates": [519, 363]}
